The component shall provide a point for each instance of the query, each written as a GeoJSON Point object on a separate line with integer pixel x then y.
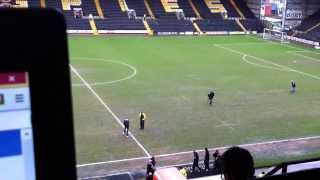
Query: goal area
{"type": "Point", "coordinates": [273, 34]}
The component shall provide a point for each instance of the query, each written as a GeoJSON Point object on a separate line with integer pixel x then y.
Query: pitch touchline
{"type": "Point", "coordinates": [201, 150]}
{"type": "Point", "coordinates": [110, 162]}
{"type": "Point", "coordinates": [266, 61]}
{"type": "Point", "coordinates": [95, 177]}
{"type": "Point", "coordinates": [108, 109]}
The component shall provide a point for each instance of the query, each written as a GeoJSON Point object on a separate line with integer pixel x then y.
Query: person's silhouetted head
{"type": "Point", "coordinates": [237, 164]}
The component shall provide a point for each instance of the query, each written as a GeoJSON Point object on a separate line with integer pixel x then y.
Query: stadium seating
{"type": "Point", "coordinates": [72, 23]}
{"type": "Point", "coordinates": [89, 7]}
{"type": "Point", "coordinates": [205, 11]}
{"type": "Point", "coordinates": [171, 25]}
{"type": "Point", "coordinates": [112, 15]}
{"type": "Point", "coordinates": [187, 9]}
{"type": "Point", "coordinates": [158, 10]}
{"type": "Point", "coordinates": [167, 21]}
{"type": "Point", "coordinates": [215, 6]}
{"type": "Point", "coordinates": [252, 24]}
{"type": "Point", "coordinates": [309, 28]}
{"type": "Point", "coordinates": [33, 3]}
{"type": "Point", "coordinates": [244, 9]}
{"type": "Point", "coordinates": [170, 5]}
{"type": "Point", "coordinates": [115, 19]}
{"type": "Point", "coordinates": [21, 4]}
{"type": "Point", "coordinates": [222, 25]}
{"type": "Point", "coordinates": [138, 6]}
{"type": "Point", "coordinates": [230, 9]}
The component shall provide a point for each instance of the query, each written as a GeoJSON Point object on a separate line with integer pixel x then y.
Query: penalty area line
{"type": "Point", "coordinates": [304, 56]}
{"type": "Point", "coordinates": [269, 62]}
{"type": "Point", "coordinates": [109, 109]}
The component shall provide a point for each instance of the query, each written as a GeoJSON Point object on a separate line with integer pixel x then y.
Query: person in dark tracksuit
{"type": "Point", "coordinates": [210, 97]}
{"type": "Point", "coordinates": [217, 161]}
{"type": "Point", "coordinates": [206, 159]}
{"type": "Point", "coordinates": [293, 87]}
{"type": "Point", "coordinates": [153, 161]}
{"type": "Point", "coordinates": [150, 170]}
{"type": "Point", "coordinates": [216, 155]}
{"type": "Point", "coordinates": [142, 117]}
{"type": "Point", "coordinates": [195, 161]}
{"type": "Point", "coordinates": [126, 127]}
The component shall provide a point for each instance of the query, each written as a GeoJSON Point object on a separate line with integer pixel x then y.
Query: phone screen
{"type": "Point", "coordinates": [16, 139]}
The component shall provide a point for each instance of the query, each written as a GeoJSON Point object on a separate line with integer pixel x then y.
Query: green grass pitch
{"type": "Point", "coordinates": [169, 78]}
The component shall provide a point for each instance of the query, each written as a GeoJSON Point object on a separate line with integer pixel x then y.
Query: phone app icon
{"type": "Point", "coordinates": [1, 99]}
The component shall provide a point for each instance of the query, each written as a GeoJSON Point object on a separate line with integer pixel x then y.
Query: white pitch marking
{"type": "Point", "coordinates": [110, 162]}
{"type": "Point", "coordinates": [210, 149]}
{"type": "Point", "coordinates": [86, 178]}
{"type": "Point", "coordinates": [276, 43]}
{"type": "Point", "coordinates": [266, 61]}
{"type": "Point", "coordinates": [298, 49]}
{"type": "Point", "coordinates": [243, 145]}
{"type": "Point", "coordinates": [304, 56]}
{"type": "Point", "coordinates": [223, 123]}
{"type": "Point", "coordinates": [223, 147]}
{"type": "Point", "coordinates": [248, 43]}
{"type": "Point", "coordinates": [244, 58]}
{"type": "Point", "coordinates": [134, 72]}
{"type": "Point", "coordinates": [287, 44]}
{"type": "Point", "coordinates": [108, 109]}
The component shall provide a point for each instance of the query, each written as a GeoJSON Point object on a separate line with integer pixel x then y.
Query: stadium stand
{"type": "Point", "coordinates": [167, 22]}
{"type": "Point", "coordinates": [309, 28]}
{"type": "Point", "coordinates": [21, 4]}
{"type": "Point", "coordinates": [230, 9]}
{"type": "Point", "coordinates": [123, 5]}
{"type": "Point", "coordinates": [200, 16]}
{"type": "Point", "coordinates": [138, 6]}
{"type": "Point", "coordinates": [205, 11]}
{"type": "Point", "coordinates": [170, 5]}
{"type": "Point", "coordinates": [72, 22]}
{"type": "Point", "coordinates": [252, 24]}
{"type": "Point", "coordinates": [245, 10]}
{"type": "Point", "coordinates": [159, 11]}
{"type": "Point", "coordinates": [215, 6]}
{"type": "Point", "coordinates": [163, 26]}
{"type": "Point", "coordinates": [34, 3]}
{"type": "Point", "coordinates": [221, 25]}
{"type": "Point", "coordinates": [235, 6]}
{"type": "Point", "coordinates": [187, 9]}
{"type": "Point", "coordinates": [116, 19]}
{"type": "Point", "coordinates": [89, 7]}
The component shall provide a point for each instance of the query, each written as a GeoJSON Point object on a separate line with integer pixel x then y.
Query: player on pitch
{"type": "Point", "coordinates": [142, 117]}
{"type": "Point", "coordinates": [210, 97]}
{"type": "Point", "coordinates": [293, 87]}
{"type": "Point", "coordinates": [126, 127]}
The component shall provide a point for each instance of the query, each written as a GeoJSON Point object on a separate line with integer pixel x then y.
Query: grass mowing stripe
{"type": "Point", "coordinates": [108, 109]}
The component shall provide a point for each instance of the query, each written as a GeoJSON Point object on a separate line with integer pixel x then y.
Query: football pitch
{"type": "Point", "coordinates": [169, 78]}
